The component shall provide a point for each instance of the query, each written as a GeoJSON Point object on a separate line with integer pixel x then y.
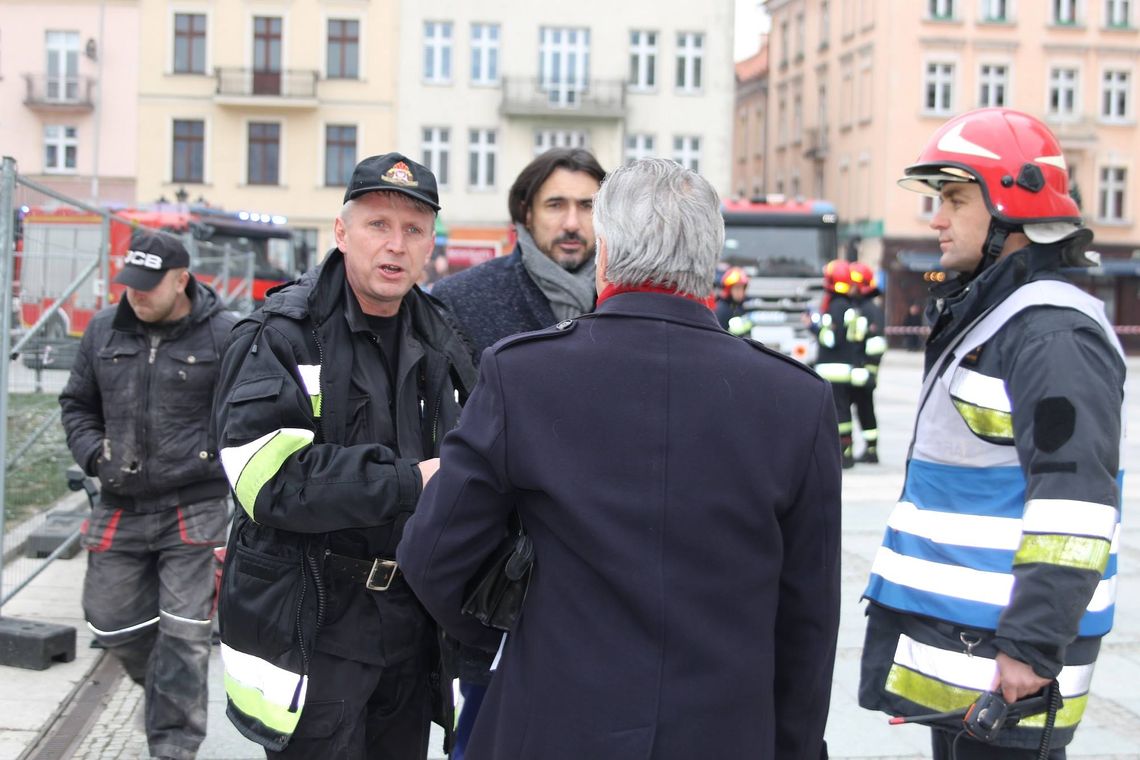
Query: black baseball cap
{"type": "Point", "coordinates": [395, 172]}
{"type": "Point", "coordinates": [152, 254]}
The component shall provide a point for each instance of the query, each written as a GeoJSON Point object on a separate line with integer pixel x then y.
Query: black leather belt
{"type": "Point", "coordinates": [376, 574]}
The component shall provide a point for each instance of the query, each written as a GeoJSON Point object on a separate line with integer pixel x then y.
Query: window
{"type": "Point", "coordinates": [340, 154]}
{"type": "Point", "coordinates": [1063, 92]}
{"type": "Point", "coordinates": [939, 88]}
{"type": "Point", "coordinates": [782, 117]}
{"type": "Point", "coordinates": [563, 64]}
{"type": "Point", "coordinates": [343, 60]}
{"type": "Point", "coordinates": [642, 60]}
{"type": "Point", "coordinates": [545, 139]}
{"type": "Point", "coordinates": [1110, 199]}
{"type": "Point", "coordinates": [481, 159]}
{"type": "Point", "coordinates": [797, 116]}
{"type": "Point", "coordinates": [1065, 12]}
{"type": "Point", "coordinates": [799, 36]}
{"type": "Point", "coordinates": [484, 54]}
{"type": "Point", "coordinates": [866, 74]}
{"type": "Point", "coordinates": [687, 151]}
{"type": "Point", "coordinates": [690, 52]}
{"type": "Point", "coordinates": [928, 206]}
{"type": "Point", "coordinates": [940, 10]}
{"type": "Point", "coordinates": [264, 153]}
{"type": "Point", "coordinates": [437, 52]}
{"type": "Point", "coordinates": [821, 106]}
{"type": "Point", "coordinates": [1116, 14]}
{"type": "Point", "coordinates": [638, 146]}
{"type": "Point", "coordinates": [846, 92]}
{"type": "Point", "coordinates": [995, 11]}
{"type": "Point", "coordinates": [267, 31]}
{"type": "Point", "coordinates": [187, 156]}
{"type": "Point", "coordinates": [189, 43]}
{"type": "Point", "coordinates": [436, 152]}
{"type": "Point", "coordinates": [1115, 86]}
{"type": "Point", "coordinates": [62, 66]}
{"type": "Point", "coordinates": [60, 146]}
{"type": "Point", "coordinates": [993, 85]}
{"type": "Point", "coordinates": [824, 23]}
{"type": "Point", "coordinates": [785, 44]}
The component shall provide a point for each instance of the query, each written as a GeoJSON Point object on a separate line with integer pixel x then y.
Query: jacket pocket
{"type": "Point", "coordinates": [98, 532]}
{"type": "Point", "coordinates": [250, 409]}
{"type": "Point", "coordinates": [203, 523]}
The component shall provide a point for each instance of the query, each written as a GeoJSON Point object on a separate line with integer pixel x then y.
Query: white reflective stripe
{"type": "Point", "coordinates": [966, 583]}
{"type": "Point", "coordinates": [957, 529]}
{"type": "Point", "coordinates": [1115, 548]}
{"type": "Point", "coordinates": [876, 345]}
{"type": "Point", "coordinates": [976, 672]}
{"type": "Point", "coordinates": [1070, 517]}
{"type": "Point", "coordinates": [980, 390]}
{"type": "Point", "coordinates": [128, 629]}
{"type": "Point", "coordinates": [277, 684]}
{"type": "Point", "coordinates": [948, 580]}
{"type": "Point", "coordinates": [311, 376]}
{"type": "Point", "coordinates": [833, 371]}
{"type": "Point", "coordinates": [235, 458]}
{"type": "Point", "coordinates": [181, 619]}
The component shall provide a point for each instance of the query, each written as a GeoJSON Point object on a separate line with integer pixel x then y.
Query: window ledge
{"type": "Point", "coordinates": [997, 22]}
{"type": "Point", "coordinates": [1126, 29]}
{"type": "Point", "coordinates": [1112, 122]}
{"type": "Point", "coordinates": [1114, 223]}
{"type": "Point", "coordinates": [1075, 26]}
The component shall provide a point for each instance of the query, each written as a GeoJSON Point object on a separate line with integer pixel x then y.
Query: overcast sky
{"type": "Point", "coordinates": [750, 22]}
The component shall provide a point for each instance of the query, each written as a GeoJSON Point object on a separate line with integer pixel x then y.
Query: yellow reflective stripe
{"type": "Point", "coordinates": [252, 702]}
{"type": "Point", "coordinates": [311, 377]}
{"type": "Point", "coordinates": [871, 436]}
{"type": "Point", "coordinates": [835, 373]}
{"type": "Point", "coordinates": [926, 691]}
{"type": "Point", "coordinates": [739, 326]}
{"type": "Point", "coordinates": [1078, 518]}
{"type": "Point", "coordinates": [860, 376]}
{"type": "Point", "coordinates": [846, 427]}
{"type": "Point", "coordinates": [876, 345]}
{"type": "Point", "coordinates": [250, 466]}
{"type": "Point", "coordinates": [1068, 716]}
{"type": "Point", "coordinates": [989, 423]}
{"type": "Point", "coordinates": [1079, 552]}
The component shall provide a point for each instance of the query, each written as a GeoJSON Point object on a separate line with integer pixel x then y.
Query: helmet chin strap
{"type": "Point", "coordinates": [992, 247]}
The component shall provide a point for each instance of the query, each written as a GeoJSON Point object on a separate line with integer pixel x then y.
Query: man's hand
{"type": "Point", "coordinates": [428, 467]}
{"type": "Point", "coordinates": [1015, 679]}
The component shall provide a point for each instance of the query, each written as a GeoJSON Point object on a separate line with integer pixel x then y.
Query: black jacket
{"type": "Point", "coordinates": [136, 407]}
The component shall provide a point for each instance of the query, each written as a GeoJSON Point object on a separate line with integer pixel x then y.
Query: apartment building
{"type": "Point", "coordinates": [749, 136]}
{"type": "Point", "coordinates": [857, 86]}
{"type": "Point", "coordinates": [264, 106]}
{"type": "Point", "coordinates": [68, 95]}
{"type": "Point", "coordinates": [485, 86]}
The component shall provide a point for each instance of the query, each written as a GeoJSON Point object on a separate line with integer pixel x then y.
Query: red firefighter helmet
{"type": "Point", "coordinates": [863, 279]}
{"type": "Point", "coordinates": [1016, 161]}
{"type": "Point", "coordinates": [732, 276]}
{"type": "Point", "coordinates": [837, 277]}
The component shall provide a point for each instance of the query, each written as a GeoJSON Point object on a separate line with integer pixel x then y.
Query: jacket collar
{"type": "Point", "coordinates": [203, 303]}
{"type": "Point", "coordinates": [664, 306]}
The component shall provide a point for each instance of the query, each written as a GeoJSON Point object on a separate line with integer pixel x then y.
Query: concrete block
{"type": "Point", "coordinates": [56, 529]}
{"type": "Point", "coordinates": [35, 645]}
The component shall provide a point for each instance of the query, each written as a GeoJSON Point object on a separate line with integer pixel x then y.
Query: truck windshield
{"type": "Point", "coordinates": [779, 251]}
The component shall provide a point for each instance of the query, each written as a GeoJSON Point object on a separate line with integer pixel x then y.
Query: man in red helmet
{"type": "Point", "coordinates": [865, 377]}
{"type": "Point", "coordinates": [840, 331]}
{"type": "Point", "coordinates": [997, 570]}
{"type": "Point", "coordinates": [730, 302]}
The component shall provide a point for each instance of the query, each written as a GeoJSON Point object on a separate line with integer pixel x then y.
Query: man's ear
{"type": "Point", "coordinates": [338, 232]}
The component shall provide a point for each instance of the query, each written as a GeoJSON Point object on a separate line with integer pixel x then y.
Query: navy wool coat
{"type": "Point", "coordinates": [681, 487]}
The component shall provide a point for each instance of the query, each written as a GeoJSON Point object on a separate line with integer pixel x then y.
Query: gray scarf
{"type": "Point", "coordinates": [571, 294]}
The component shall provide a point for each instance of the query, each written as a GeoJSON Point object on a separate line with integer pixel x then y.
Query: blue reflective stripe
{"type": "Point", "coordinates": [962, 612]}
{"type": "Point", "coordinates": [990, 560]}
{"type": "Point", "coordinates": [986, 491]}
{"type": "Point", "coordinates": [1097, 623]}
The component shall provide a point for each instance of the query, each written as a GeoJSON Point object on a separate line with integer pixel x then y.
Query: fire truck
{"type": "Point", "coordinates": [241, 255]}
{"type": "Point", "coordinates": [783, 246]}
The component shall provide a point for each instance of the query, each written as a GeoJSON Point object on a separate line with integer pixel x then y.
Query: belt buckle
{"type": "Point", "coordinates": [382, 574]}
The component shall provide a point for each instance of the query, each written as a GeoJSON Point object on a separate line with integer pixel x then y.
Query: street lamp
{"type": "Point", "coordinates": [181, 195]}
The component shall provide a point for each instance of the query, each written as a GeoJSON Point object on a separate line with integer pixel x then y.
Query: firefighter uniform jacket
{"type": "Point", "coordinates": [841, 331]}
{"type": "Point", "coordinates": [321, 459]}
{"type": "Point", "coordinates": [1004, 537]}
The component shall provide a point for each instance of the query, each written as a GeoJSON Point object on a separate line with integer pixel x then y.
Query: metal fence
{"type": "Point", "coordinates": [55, 275]}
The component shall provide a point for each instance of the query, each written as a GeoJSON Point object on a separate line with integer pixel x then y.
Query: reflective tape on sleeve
{"type": "Point", "coordinates": [1078, 552]}
{"type": "Point", "coordinates": [1077, 518]}
{"type": "Point", "coordinates": [270, 695]}
{"type": "Point", "coordinates": [876, 345]}
{"type": "Point", "coordinates": [834, 372]}
{"type": "Point", "coordinates": [252, 465]}
{"type": "Point", "coordinates": [311, 376]}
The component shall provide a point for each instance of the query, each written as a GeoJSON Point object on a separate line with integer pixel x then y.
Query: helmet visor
{"type": "Point", "coordinates": [928, 179]}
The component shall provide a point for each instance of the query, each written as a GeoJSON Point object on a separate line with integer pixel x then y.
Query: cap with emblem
{"type": "Point", "coordinates": [395, 172]}
{"type": "Point", "coordinates": [152, 254]}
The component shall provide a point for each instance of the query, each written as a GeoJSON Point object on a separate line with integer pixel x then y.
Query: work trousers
{"type": "Point", "coordinates": [967, 748]}
{"type": "Point", "coordinates": [863, 397]}
{"type": "Point", "coordinates": [148, 597]}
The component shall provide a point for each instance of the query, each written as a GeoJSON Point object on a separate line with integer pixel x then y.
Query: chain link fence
{"type": "Point", "coordinates": [57, 256]}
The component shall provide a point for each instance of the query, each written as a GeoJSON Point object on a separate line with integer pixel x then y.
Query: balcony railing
{"type": "Point", "coordinates": [297, 86]}
{"type": "Point", "coordinates": [594, 99]}
{"type": "Point", "coordinates": [815, 143]}
{"type": "Point", "coordinates": [71, 93]}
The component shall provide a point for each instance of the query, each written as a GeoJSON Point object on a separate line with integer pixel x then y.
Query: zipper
{"type": "Point", "coordinates": [155, 340]}
{"type": "Point", "coordinates": [318, 422]}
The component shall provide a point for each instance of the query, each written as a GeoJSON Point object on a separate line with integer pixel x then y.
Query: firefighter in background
{"type": "Point", "coordinates": [865, 377]}
{"type": "Point", "coordinates": [730, 302]}
{"type": "Point", "coordinates": [840, 334]}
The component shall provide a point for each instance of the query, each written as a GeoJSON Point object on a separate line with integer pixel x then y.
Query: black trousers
{"type": "Point", "coordinates": [967, 748]}
{"type": "Point", "coordinates": [355, 711]}
{"type": "Point", "coordinates": [863, 397]}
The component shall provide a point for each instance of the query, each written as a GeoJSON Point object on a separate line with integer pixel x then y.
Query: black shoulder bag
{"type": "Point", "coordinates": [495, 595]}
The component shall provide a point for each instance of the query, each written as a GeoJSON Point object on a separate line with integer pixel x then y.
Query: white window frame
{"type": "Point", "coordinates": [687, 151]}
{"type": "Point", "coordinates": [564, 64]}
{"type": "Point", "coordinates": [485, 58]}
{"type": "Point", "coordinates": [988, 12]}
{"type": "Point", "coordinates": [435, 150]}
{"type": "Point", "coordinates": [1062, 85]}
{"type": "Point", "coordinates": [361, 35]}
{"type": "Point", "coordinates": [482, 158]}
{"type": "Point", "coordinates": [1113, 191]}
{"type": "Point", "coordinates": [176, 9]}
{"type": "Point", "coordinates": [437, 51]}
{"type": "Point", "coordinates": [801, 36]}
{"type": "Point", "coordinates": [797, 114]}
{"type": "Point", "coordinates": [864, 107]}
{"type": "Point", "coordinates": [690, 62]}
{"type": "Point", "coordinates": [1116, 89]}
{"type": "Point", "coordinates": [62, 45]}
{"type": "Point", "coordinates": [781, 117]}
{"type": "Point", "coordinates": [1065, 13]}
{"type": "Point", "coordinates": [990, 83]}
{"type": "Point", "coordinates": [824, 23]}
{"type": "Point", "coordinates": [643, 53]}
{"type": "Point", "coordinates": [941, 80]}
{"type": "Point", "coordinates": [639, 145]}
{"type": "Point", "coordinates": [846, 92]}
{"type": "Point", "coordinates": [61, 137]}
{"type": "Point", "coordinates": [548, 139]}
{"type": "Point", "coordinates": [1118, 14]}
{"type": "Point", "coordinates": [940, 10]}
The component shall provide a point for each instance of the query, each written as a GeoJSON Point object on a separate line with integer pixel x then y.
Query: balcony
{"type": "Point", "coordinates": [816, 145]}
{"type": "Point", "coordinates": [1077, 133]}
{"type": "Point", "coordinates": [597, 99]}
{"type": "Point", "coordinates": [291, 88]}
{"type": "Point", "coordinates": [59, 94]}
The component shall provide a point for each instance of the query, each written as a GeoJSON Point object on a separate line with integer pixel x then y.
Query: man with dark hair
{"type": "Point", "coordinates": [333, 400]}
{"type": "Point", "coordinates": [548, 278]}
{"type": "Point", "coordinates": [550, 274]}
{"type": "Point", "coordinates": [136, 410]}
